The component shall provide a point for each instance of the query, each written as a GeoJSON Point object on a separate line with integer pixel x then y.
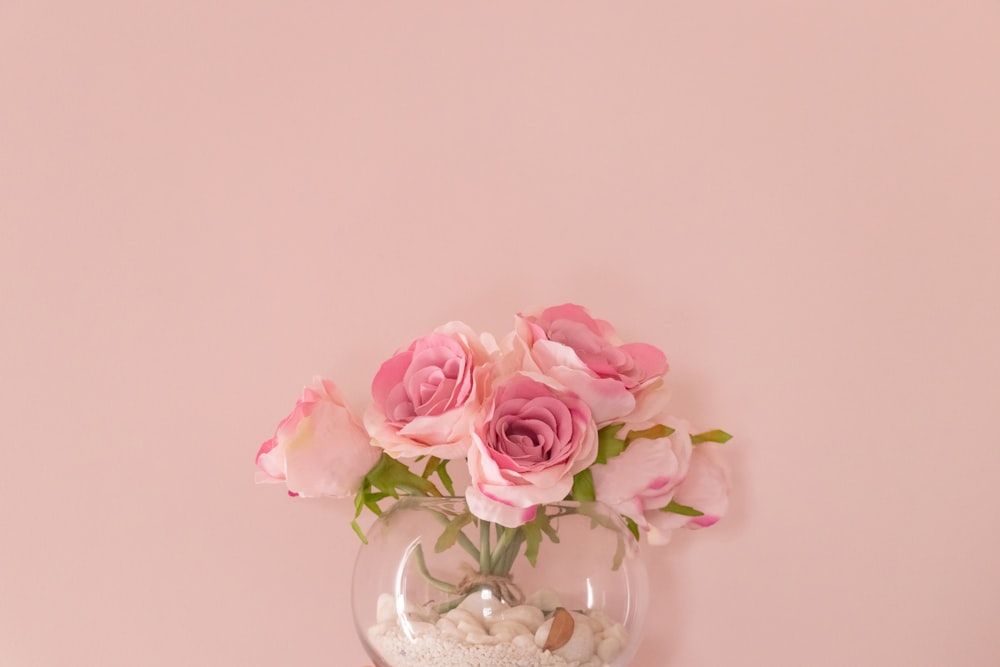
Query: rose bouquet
{"type": "Point", "coordinates": [556, 419]}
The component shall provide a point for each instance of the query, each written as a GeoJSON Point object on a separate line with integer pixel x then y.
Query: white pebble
{"type": "Point", "coordinates": [545, 599]}
{"type": "Point", "coordinates": [483, 606]}
{"type": "Point", "coordinates": [603, 618]}
{"type": "Point", "coordinates": [528, 616]}
{"type": "Point", "coordinates": [609, 649]}
{"type": "Point", "coordinates": [508, 630]}
{"type": "Point", "coordinates": [481, 638]}
{"type": "Point", "coordinates": [457, 616]}
{"type": "Point", "coordinates": [503, 634]}
{"type": "Point", "coordinates": [418, 628]}
{"type": "Point", "coordinates": [467, 628]}
{"type": "Point", "coordinates": [616, 630]}
{"type": "Point", "coordinates": [385, 610]}
{"type": "Point", "coordinates": [435, 650]}
{"type": "Point", "coordinates": [542, 633]}
{"type": "Point", "coordinates": [580, 646]}
{"type": "Point", "coordinates": [448, 629]}
{"type": "Point", "coordinates": [380, 629]}
{"type": "Point", "coordinates": [415, 611]}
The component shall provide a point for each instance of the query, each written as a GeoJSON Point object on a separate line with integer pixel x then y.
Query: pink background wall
{"type": "Point", "coordinates": [204, 203]}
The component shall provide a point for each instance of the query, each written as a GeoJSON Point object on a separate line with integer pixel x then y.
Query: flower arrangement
{"type": "Point", "coordinates": [561, 409]}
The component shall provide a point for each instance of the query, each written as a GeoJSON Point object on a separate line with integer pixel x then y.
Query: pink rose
{"type": "Point", "coordinates": [534, 439]}
{"type": "Point", "coordinates": [706, 489]}
{"type": "Point", "coordinates": [320, 449]}
{"type": "Point", "coordinates": [647, 474]}
{"type": "Point", "coordinates": [426, 397]}
{"type": "Point", "coordinates": [650, 409]}
{"type": "Point", "coordinates": [586, 355]}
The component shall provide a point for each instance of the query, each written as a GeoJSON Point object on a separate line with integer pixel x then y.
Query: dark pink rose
{"type": "Point", "coordinates": [534, 439]}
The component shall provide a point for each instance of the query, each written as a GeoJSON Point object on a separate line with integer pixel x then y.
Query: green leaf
{"type": "Point", "coordinates": [583, 486]}
{"type": "Point", "coordinates": [390, 476]}
{"type": "Point", "coordinates": [545, 523]}
{"type": "Point", "coordinates": [442, 473]}
{"type": "Point", "coordinates": [360, 499]}
{"type": "Point", "coordinates": [597, 516]}
{"type": "Point", "coordinates": [619, 556]}
{"type": "Point", "coordinates": [651, 433]}
{"type": "Point", "coordinates": [360, 533]}
{"type": "Point", "coordinates": [371, 502]}
{"type": "Point", "coordinates": [633, 527]}
{"type": "Point", "coordinates": [711, 436]}
{"type": "Point", "coordinates": [432, 464]}
{"type": "Point", "coordinates": [381, 477]}
{"type": "Point", "coordinates": [676, 508]}
{"type": "Point", "coordinates": [532, 540]}
{"type": "Point", "coordinates": [450, 535]}
{"type": "Point", "coordinates": [608, 444]}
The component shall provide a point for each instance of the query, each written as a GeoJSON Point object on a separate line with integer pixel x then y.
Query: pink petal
{"type": "Point", "coordinates": [649, 358]}
{"type": "Point", "coordinates": [491, 510]}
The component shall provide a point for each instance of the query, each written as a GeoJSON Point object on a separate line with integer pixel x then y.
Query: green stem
{"type": "Point", "coordinates": [418, 551]}
{"type": "Point", "coordinates": [512, 550]}
{"type": "Point", "coordinates": [484, 547]}
{"type": "Point", "coordinates": [503, 545]}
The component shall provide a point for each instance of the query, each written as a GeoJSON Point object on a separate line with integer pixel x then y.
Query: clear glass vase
{"type": "Point", "coordinates": [437, 586]}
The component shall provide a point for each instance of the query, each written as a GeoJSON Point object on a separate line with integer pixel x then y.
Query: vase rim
{"type": "Point", "coordinates": [558, 503]}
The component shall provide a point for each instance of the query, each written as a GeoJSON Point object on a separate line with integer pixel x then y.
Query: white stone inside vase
{"type": "Point", "coordinates": [483, 630]}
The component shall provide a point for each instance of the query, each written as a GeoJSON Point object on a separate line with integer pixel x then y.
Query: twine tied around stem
{"type": "Point", "coordinates": [502, 586]}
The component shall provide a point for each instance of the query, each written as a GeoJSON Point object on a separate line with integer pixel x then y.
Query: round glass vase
{"type": "Point", "coordinates": [437, 586]}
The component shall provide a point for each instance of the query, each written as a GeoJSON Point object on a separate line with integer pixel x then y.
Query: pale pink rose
{"type": "Point", "coordinates": [534, 439]}
{"type": "Point", "coordinates": [319, 449]}
{"type": "Point", "coordinates": [647, 474]}
{"type": "Point", "coordinates": [585, 355]}
{"type": "Point", "coordinates": [650, 409]}
{"type": "Point", "coordinates": [426, 397]}
{"type": "Point", "coordinates": [706, 489]}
